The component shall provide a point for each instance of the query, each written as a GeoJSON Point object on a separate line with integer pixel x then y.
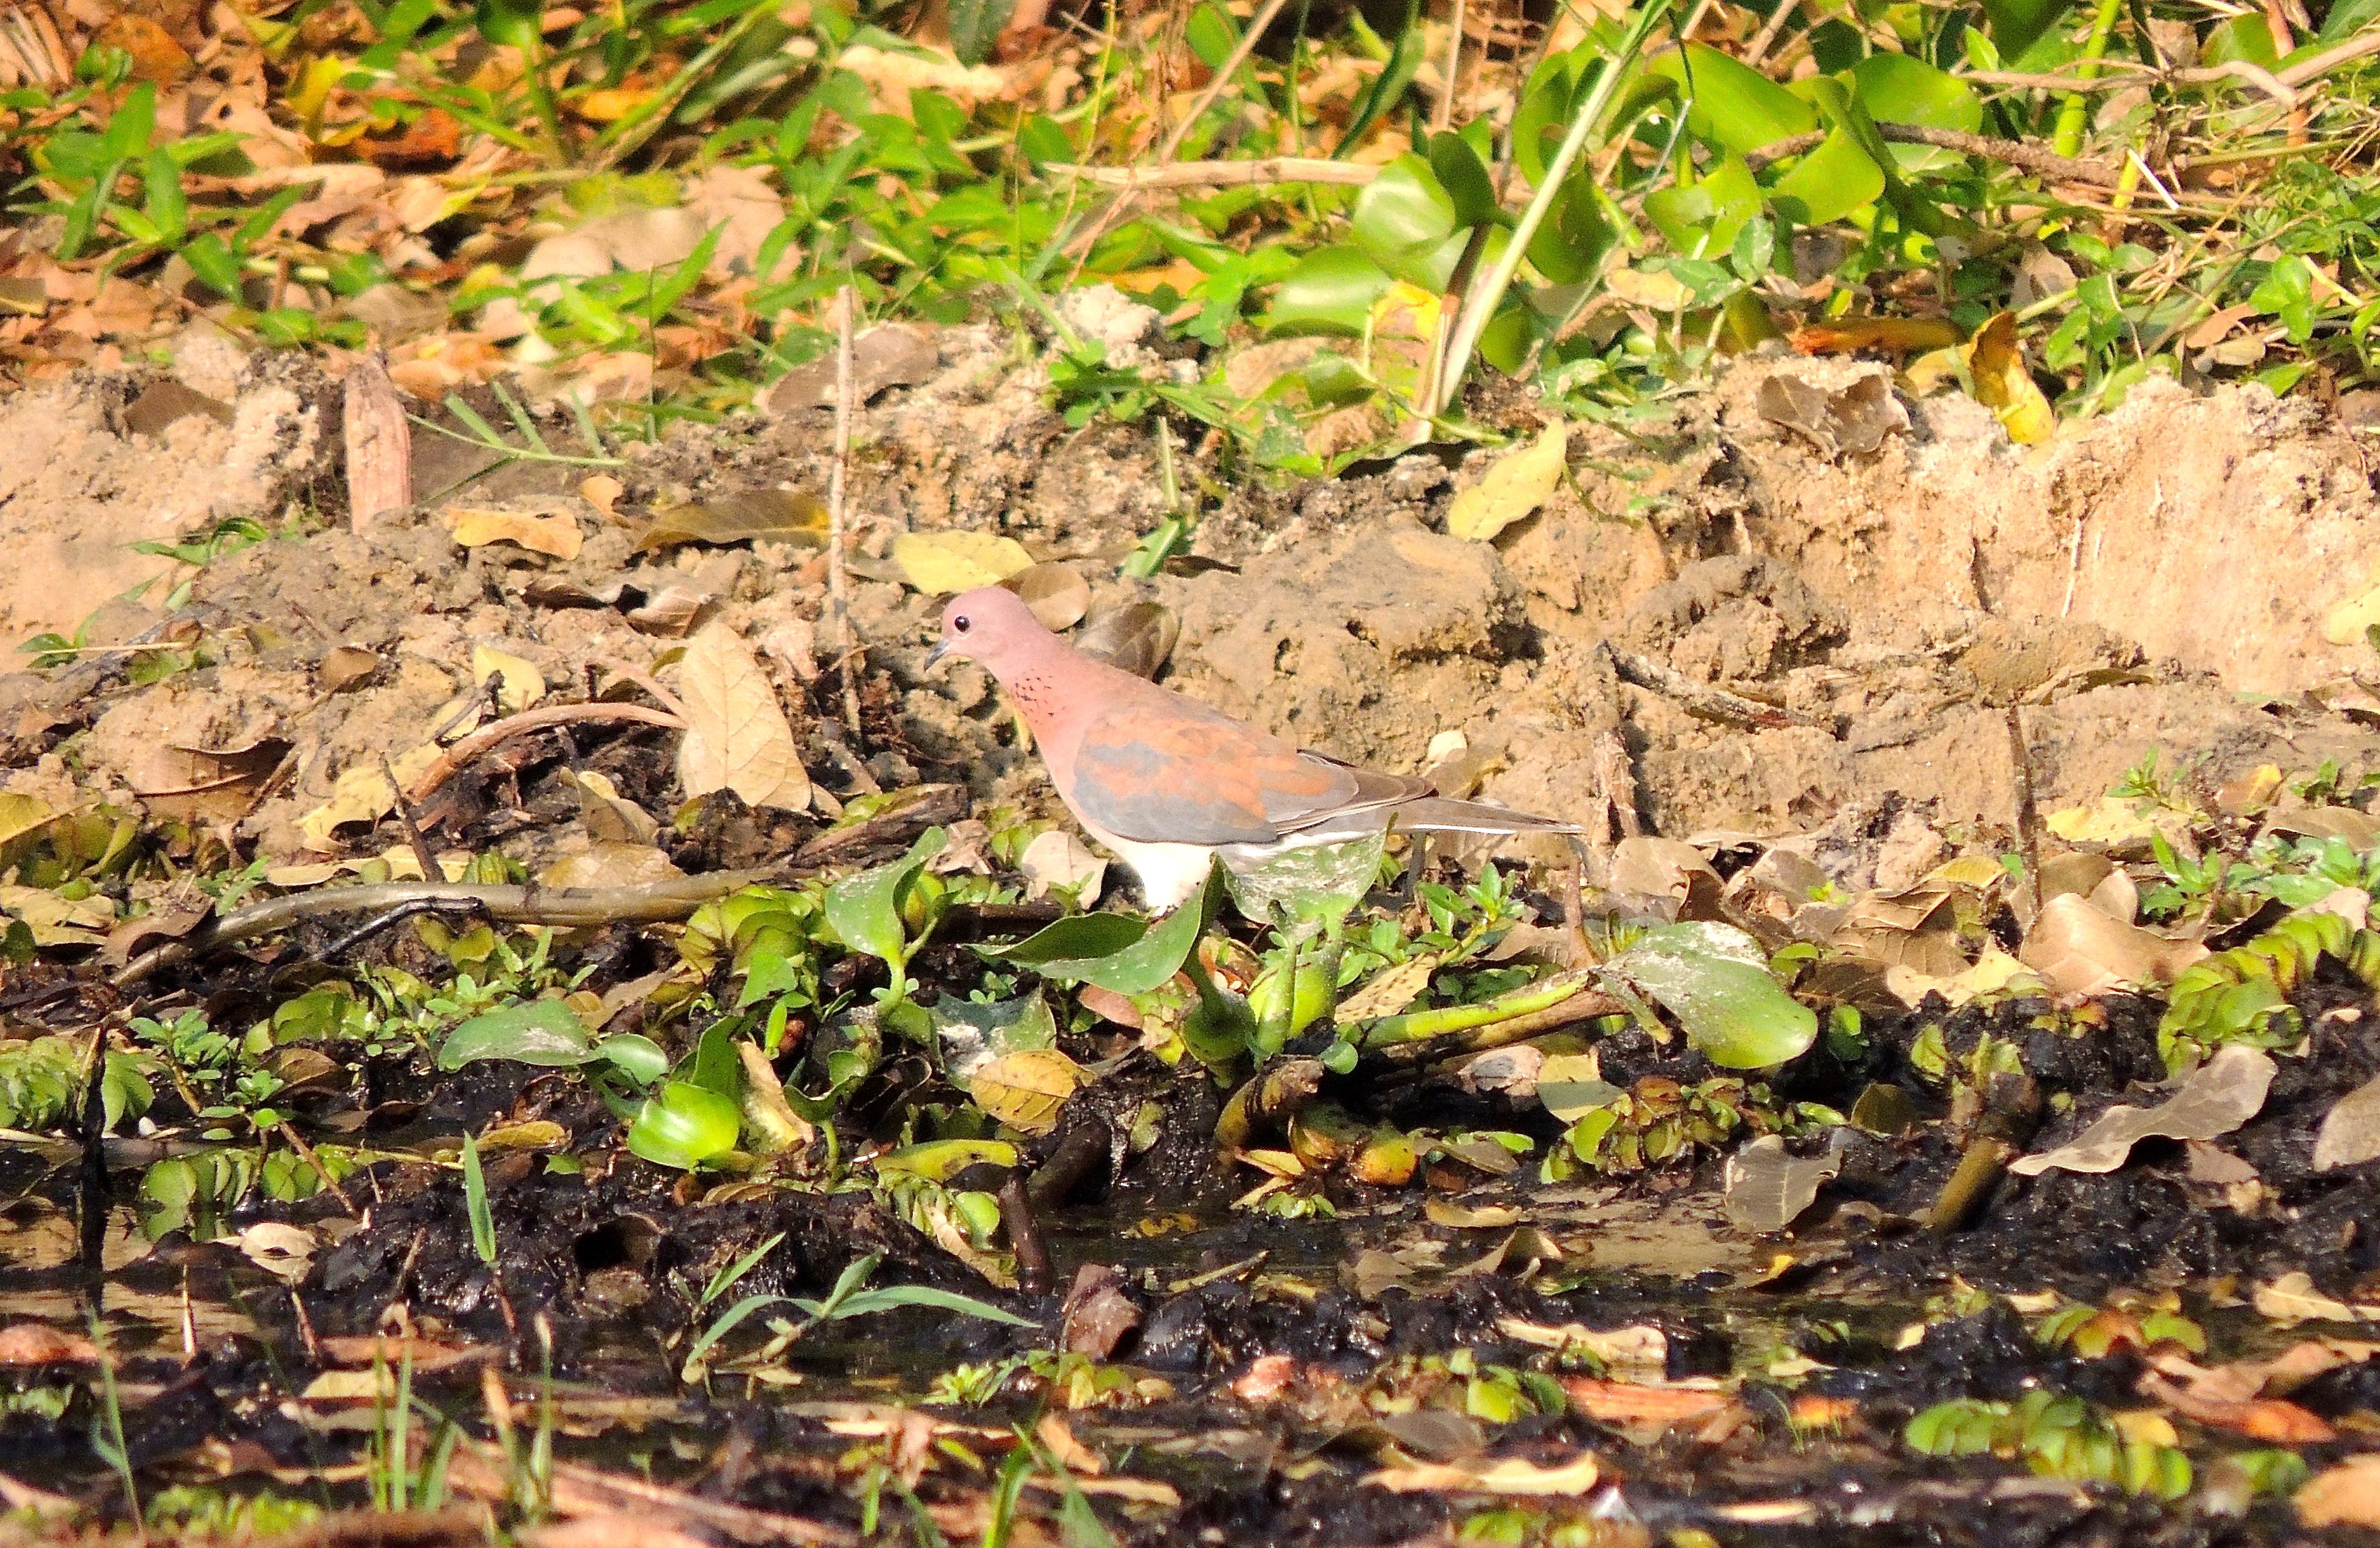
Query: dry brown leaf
{"type": "Point", "coordinates": [2292, 1298]}
{"type": "Point", "coordinates": [2225, 1094]}
{"type": "Point", "coordinates": [737, 735]}
{"type": "Point", "coordinates": [38, 1344]}
{"type": "Point", "coordinates": [2259, 1418]}
{"type": "Point", "coordinates": [556, 535]}
{"type": "Point", "coordinates": [1057, 593]}
{"type": "Point", "coordinates": [1513, 1474]}
{"type": "Point", "coordinates": [2350, 1130]}
{"type": "Point", "coordinates": [777, 514]}
{"type": "Point", "coordinates": [284, 1251]}
{"type": "Point", "coordinates": [1633, 1404]}
{"type": "Point", "coordinates": [2078, 950]}
{"type": "Point", "coordinates": [518, 682]}
{"type": "Point", "coordinates": [609, 865]}
{"type": "Point", "coordinates": [2346, 1495]}
{"type": "Point", "coordinates": [1058, 859]}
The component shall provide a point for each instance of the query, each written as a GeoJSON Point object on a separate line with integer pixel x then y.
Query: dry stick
{"type": "Point", "coordinates": [379, 443]}
{"type": "Point", "coordinates": [1444, 119]}
{"type": "Point", "coordinates": [305, 1154]}
{"type": "Point", "coordinates": [2130, 74]}
{"type": "Point", "coordinates": [2364, 43]}
{"type": "Point", "coordinates": [1226, 174]}
{"type": "Point", "coordinates": [2028, 815]}
{"type": "Point", "coordinates": [838, 584]}
{"type": "Point", "coordinates": [456, 759]}
{"type": "Point", "coordinates": [647, 903]}
{"type": "Point", "coordinates": [1705, 701]}
{"type": "Point", "coordinates": [2029, 158]}
{"type": "Point", "coordinates": [1766, 39]}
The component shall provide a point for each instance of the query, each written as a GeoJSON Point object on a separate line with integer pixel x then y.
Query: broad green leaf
{"type": "Point", "coordinates": [1148, 960]}
{"type": "Point", "coordinates": [1829, 183]}
{"type": "Point", "coordinates": [1715, 979]}
{"type": "Point", "coordinates": [1330, 291]}
{"type": "Point", "coordinates": [514, 23]}
{"type": "Point", "coordinates": [2244, 37]}
{"type": "Point", "coordinates": [1701, 219]}
{"type": "Point", "coordinates": [130, 128]}
{"type": "Point", "coordinates": [1211, 34]}
{"type": "Point", "coordinates": [685, 1126]}
{"type": "Point", "coordinates": [1573, 240]}
{"type": "Point", "coordinates": [1322, 882]}
{"type": "Point", "coordinates": [534, 1032]}
{"type": "Point", "coordinates": [1896, 89]}
{"type": "Point", "coordinates": [976, 25]}
{"type": "Point", "coordinates": [2014, 24]}
{"type": "Point", "coordinates": [1463, 176]}
{"type": "Point", "coordinates": [864, 910]}
{"type": "Point", "coordinates": [972, 1034]}
{"type": "Point", "coordinates": [1733, 105]}
{"type": "Point", "coordinates": [1402, 222]}
{"type": "Point", "coordinates": [636, 1056]}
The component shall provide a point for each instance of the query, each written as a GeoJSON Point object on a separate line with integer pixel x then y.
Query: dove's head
{"type": "Point", "coordinates": [991, 626]}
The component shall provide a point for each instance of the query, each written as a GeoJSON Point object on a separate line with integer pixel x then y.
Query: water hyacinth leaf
{"type": "Point", "coordinates": [864, 911]}
{"type": "Point", "coordinates": [1404, 221]}
{"type": "Point", "coordinates": [544, 1032]}
{"type": "Point", "coordinates": [1896, 89]}
{"type": "Point", "coordinates": [1321, 882]}
{"type": "Point", "coordinates": [1459, 170]}
{"type": "Point", "coordinates": [972, 1034]}
{"type": "Point", "coordinates": [941, 1160]}
{"type": "Point", "coordinates": [1701, 219]}
{"type": "Point", "coordinates": [685, 1126]}
{"type": "Point", "coordinates": [1578, 234]}
{"type": "Point", "coordinates": [1134, 959]}
{"type": "Point", "coordinates": [635, 1055]}
{"type": "Point", "coordinates": [1330, 291]}
{"type": "Point", "coordinates": [2013, 25]}
{"type": "Point", "coordinates": [1056, 949]}
{"type": "Point", "coordinates": [1828, 183]}
{"type": "Point", "coordinates": [1715, 979]}
{"type": "Point", "coordinates": [1733, 105]}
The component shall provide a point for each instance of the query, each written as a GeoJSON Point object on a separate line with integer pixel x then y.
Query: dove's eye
{"type": "Point", "coordinates": [961, 625]}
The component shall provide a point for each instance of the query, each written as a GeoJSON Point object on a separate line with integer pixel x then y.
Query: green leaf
{"type": "Point", "coordinates": [1733, 105]}
{"type": "Point", "coordinates": [724, 1324]}
{"type": "Point", "coordinates": [2286, 292]}
{"type": "Point", "coordinates": [213, 262]}
{"type": "Point", "coordinates": [941, 1160]}
{"type": "Point", "coordinates": [514, 23]}
{"type": "Point", "coordinates": [2014, 24]}
{"type": "Point", "coordinates": [971, 1034]}
{"type": "Point", "coordinates": [1463, 176]}
{"type": "Point", "coordinates": [162, 200]}
{"type": "Point", "coordinates": [542, 1032]}
{"type": "Point", "coordinates": [864, 911]}
{"type": "Point", "coordinates": [637, 1057]}
{"type": "Point", "coordinates": [1321, 882]}
{"type": "Point", "coordinates": [892, 1297]}
{"type": "Point", "coordinates": [475, 1204]}
{"type": "Point", "coordinates": [1701, 219]}
{"type": "Point", "coordinates": [1330, 291]}
{"type": "Point", "coordinates": [129, 132]}
{"type": "Point", "coordinates": [1126, 956]}
{"type": "Point", "coordinates": [1896, 89]}
{"type": "Point", "coordinates": [685, 1127]}
{"type": "Point", "coordinates": [1403, 221]}
{"type": "Point", "coordinates": [1387, 89]}
{"type": "Point", "coordinates": [1715, 979]}
{"type": "Point", "coordinates": [976, 25]}
{"type": "Point", "coordinates": [1572, 241]}
{"type": "Point", "coordinates": [1211, 34]}
{"type": "Point", "coordinates": [1829, 183]}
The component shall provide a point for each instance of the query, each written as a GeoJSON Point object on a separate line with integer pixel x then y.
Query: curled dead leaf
{"type": "Point", "coordinates": [2226, 1092]}
{"type": "Point", "coordinates": [1137, 638]}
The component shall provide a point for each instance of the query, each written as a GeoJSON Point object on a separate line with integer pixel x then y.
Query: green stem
{"type": "Point", "coordinates": [1487, 292]}
{"type": "Point", "coordinates": [2074, 113]}
{"type": "Point", "coordinates": [1415, 1025]}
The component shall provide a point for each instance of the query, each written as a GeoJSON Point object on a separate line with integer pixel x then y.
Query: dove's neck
{"type": "Point", "coordinates": [1043, 676]}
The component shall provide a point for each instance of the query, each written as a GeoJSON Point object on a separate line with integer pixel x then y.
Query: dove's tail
{"type": "Point", "coordinates": [1439, 814]}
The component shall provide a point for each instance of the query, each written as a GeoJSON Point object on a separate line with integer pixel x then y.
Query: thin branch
{"type": "Point", "coordinates": [838, 583]}
{"type": "Point", "coordinates": [2029, 158]}
{"type": "Point", "coordinates": [2364, 43]}
{"type": "Point", "coordinates": [1225, 174]}
{"type": "Point", "coordinates": [646, 903]}
{"type": "Point", "coordinates": [1703, 700]}
{"type": "Point", "coordinates": [479, 743]}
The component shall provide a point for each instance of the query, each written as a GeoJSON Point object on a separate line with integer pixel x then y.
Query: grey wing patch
{"type": "Point", "coordinates": [1324, 788]}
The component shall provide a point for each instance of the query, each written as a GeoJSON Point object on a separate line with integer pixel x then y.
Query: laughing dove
{"type": "Point", "coordinates": [1165, 782]}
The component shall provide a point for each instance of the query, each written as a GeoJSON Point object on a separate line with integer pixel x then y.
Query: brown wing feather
{"type": "Point", "coordinates": [1170, 770]}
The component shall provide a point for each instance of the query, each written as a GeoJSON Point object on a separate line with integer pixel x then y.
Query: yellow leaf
{"type": "Point", "coordinates": [518, 682]}
{"type": "Point", "coordinates": [20, 815]}
{"type": "Point", "coordinates": [2116, 820]}
{"type": "Point", "coordinates": [941, 563]}
{"type": "Point", "coordinates": [737, 737]}
{"type": "Point", "coordinates": [1996, 365]}
{"type": "Point", "coordinates": [1025, 1090]}
{"type": "Point", "coordinates": [1516, 485]}
{"type": "Point", "coordinates": [59, 922]}
{"type": "Point", "coordinates": [2345, 623]}
{"type": "Point", "coordinates": [1404, 328]}
{"type": "Point", "coordinates": [555, 536]}
{"type": "Point", "coordinates": [1514, 1475]}
{"type": "Point", "coordinates": [607, 105]}
{"type": "Point", "coordinates": [363, 794]}
{"type": "Point", "coordinates": [1640, 289]}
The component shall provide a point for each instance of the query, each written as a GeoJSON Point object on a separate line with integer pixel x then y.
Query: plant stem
{"type": "Point", "coordinates": [2074, 113]}
{"type": "Point", "coordinates": [1487, 292]}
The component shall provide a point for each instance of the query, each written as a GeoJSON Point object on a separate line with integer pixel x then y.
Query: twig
{"type": "Point", "coordinates": [645, 680]}
{"type": "Point", "coordinates": [2364, 43]}
{"type": "Point", "coordinates": [2028, 814]}
{"type": "Point", "coordinates": [305, 1154]}
{"type": "Point", "coordinates": [456, 759]}
{"type": "Point", "coordinates": [430, 870]}
{"type": "Point", "coordinates": [1766, 39]}
{"type": "Point", "coordinates": [647, 903]}
{"type": "Point", "coordinates": [2130, 74]}
{"type": "Point", "coordinates": [838, 583]}
{"type": "Point", "coordinates": [1024, 1234]}
{"type": "Point", "coordinates": [379, 443]}
{"type": "Point", "coordinates": [2031, 158]}
{"type": "Point", "coordinates": [1225, 174]}
{"type": "Point", "coordinates": [1442, 119]}
{"type": "Point", "coordinates": [1703, 700]}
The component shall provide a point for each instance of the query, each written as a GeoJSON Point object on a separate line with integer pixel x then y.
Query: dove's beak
{"type": "Point", "coordinates": [933, 657]}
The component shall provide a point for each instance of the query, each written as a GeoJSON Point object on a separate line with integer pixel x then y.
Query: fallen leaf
{"type": "Point", "coordinates": [737, 735]}
{"type": "Point", "coordinates": [556, 535]}
{"type": "Point", "coordinates": [348, 666]}
{"type": "Point", "coordinates": [1996, 365]}
{"type": "Point", "coordinates": [2226, 1092]}
{"type": "Point", "coordinates": [940, 564]}
{"type": "Point", "coordinates": [603, 492]}
{"type": "Point", "coordinates": [610, 865]}
{"type": "Point", "coordinates": [2259, 1418]}
{"type": "Point", "coordinates": [60, 921]}
{"type": "Point", "coordinates": [2350, 1130]}
{"type": "Point", "coordinates": [2346, 622]}
{"type": "Point", "coordinates": [2079, 950]}
{"type": "Point", "coordinates": [2292, 1298]}
{"type": "Point", "coordinates": [38, 1344]}
{"type": "Point", "coordinates": [1632, 1403]}
{"type": "Point", "coordinates": [1852, 419]}
{"type": "Point", "coordinates": [1766, 1187]}
{"type": "Point", "coordinates": [1515, 486]}
{"type": "Point", "coordinates": [1057, 594]}
{"type": "Point", "coordinates": [2346, 1495]}
{"type": "Point", "coordinates": [889, 355]}
{"type": "Point", "coordinates": [1387, 992]}
{"type": "Point", "coordinates": [363, 794]}
{"type": "Point", "coordinates": [1058, 859]}
{"type": "Point", "coordinates": [1904, 336]}
{"type": "Point", "coordinates": [779, 514]}
{"type": "Point", "coordinates": [1637, 1349]}
{"type": "Point", "coordinates": [518, 682]}
{"type": "Point", "coordinates": [2115, 820]}
{"type": "Point", "coordinates": [1137, 638]}
{"type": "Point", "coordinates": [1026, 1090]}
{"type": "Point", "coordinates": [1514, 1475]}
{"type": "Point", "coordinates": [284, 1251]}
